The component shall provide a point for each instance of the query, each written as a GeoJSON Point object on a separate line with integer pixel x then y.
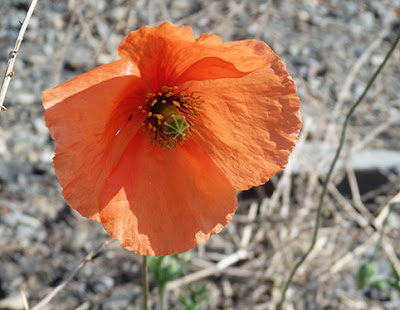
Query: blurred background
{"type": "Point", "coordinates": [331, 49]}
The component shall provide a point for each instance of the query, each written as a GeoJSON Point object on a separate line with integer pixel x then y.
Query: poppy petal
{"type": "Point", "coordinates": [169, 202]}
{"type": "Point", "coordinates": [170, 55]}
{"type": "Point", "coordinates": [249, 126]}
{"type": "Point", "coordinates": [91, 128]}
{"type": "Point", "coordinates": [158, 52]}
{"type": "Point", "coordinates": [120, 67]}
{"type": "Point", "coordinates": [210, 68]}
{"type": "Point", "coordinates": [235, 59]}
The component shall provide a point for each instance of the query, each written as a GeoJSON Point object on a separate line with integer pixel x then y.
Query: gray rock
{"type": "Point", "coordinates": [3, 146]}
{"type": "Point", "coordinates": [14, 218]}
{"type": "Point", "coordinates": [12, 302]}
{"type": "Point", "coordinates": [367, 20]}
{"type": "Point", "coordinates": [119, 13]}
{"type": "Point", "coordinates": [120, 299]}
{"type": "Point", "coordinates": [104, 283]}
{"type": "Point", "coordinates": [25, 98]}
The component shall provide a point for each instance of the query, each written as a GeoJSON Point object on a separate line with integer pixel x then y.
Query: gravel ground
{"type": "Point", "coordinates": [331, 48]}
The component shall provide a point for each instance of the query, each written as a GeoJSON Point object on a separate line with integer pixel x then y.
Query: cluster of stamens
{"type": "Point", "coordinates": [170, 116]}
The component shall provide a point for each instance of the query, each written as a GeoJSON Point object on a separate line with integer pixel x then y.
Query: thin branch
{"type": "Point", "coordinates": [24, 300]}
{"type": "Point", "coordinates": [12, 56]}
{"type": "Point", "coordinates": [209, 271]}
{"type": "Point", "coordinates": [145, 284]}
{"type": "Point", "coordinates": [329, 174]}
{"type": "Point", "coordinates": [345, 90]}
{"type": "Point", "coordinates": [88, 258]}
{"type": "Point", "coordinates": [164, 10]}
{"type": "Point", "coordinates": [150, 13]}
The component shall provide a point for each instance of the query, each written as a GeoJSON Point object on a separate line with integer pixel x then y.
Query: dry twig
{"type": "Point", "coordinates": [329, 174]}
{"type": "Point", "coordinates": [212, 270]}
{"type": "Point", "coordinates": [88, 258]}
{"type": "Point", "coordinates": [12, 56]}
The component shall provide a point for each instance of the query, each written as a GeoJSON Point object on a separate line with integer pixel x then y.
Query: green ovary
{"type": "Point", "coordinates": [175, 125]}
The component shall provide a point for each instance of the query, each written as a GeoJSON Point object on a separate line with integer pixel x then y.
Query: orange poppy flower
{"type": "Point", "coordinates": [154, 145]}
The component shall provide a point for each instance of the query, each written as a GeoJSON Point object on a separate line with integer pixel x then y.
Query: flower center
{"type": "Point", "coordinates": [170, 116]}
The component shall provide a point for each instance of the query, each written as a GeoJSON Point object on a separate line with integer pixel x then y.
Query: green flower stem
{"type": "Point", "coordinates": [381, 234]}
{"type": "Point", "coordinates": [163, 298]}
{"type": "Point", "coordinates": [328, 176]}
{"type": "Point", "coordinates": [144, 282]}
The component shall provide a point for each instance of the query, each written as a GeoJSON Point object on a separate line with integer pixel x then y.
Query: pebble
{"type": "Point", "coordinates": [119, 13]}
{"type": "Point", "coordinates": [79, 57]}
{"type": "Point", "coordinates": [25, 98]}
{"type": "Point", "coordinates": [58, 21]}
{"type": "Point", "coordinates": [119, 300]}
{"type": "Point", "coordinates": [351, 7]}
{"type": "Point", "coordinates": [304, 16]}
{"type": "Point", "coordinates": [359, 89]}
{"type": "Point", "coordinates": [40, 126]}
{"type": "Point", "coordinates": [34, 22]}
{"type": "Point", "coordinates": [103, 284]}
{"type": "Point", "coordinates": [3, 146]}
{"type": "Point", "coordinates": [105, 58]}
{"type": "Point", "coordinates": [180, 6]}
{"type": "Point", "coordinates": [79, 237]}
{"type": "Point", "coordinates": [253, 29]}
{"type": "Point", "coordinates": [46, 156]}
{"type": "Point", "coordinates": [12, 302]}
{"type": "Point", "coordinates": [294, 50]}
{"type": "Point", "coordinates": [14, 218]}
{"type": "Point", "coordinates": [367, 21]}
{"type": "Point", "coordinates": [26, 232]}
{"type": "Point", "coordinates": [376, 60]}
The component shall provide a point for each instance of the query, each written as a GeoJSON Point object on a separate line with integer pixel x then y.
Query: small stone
{"type": "Point", "coordinates": [40, 126]}
{"type": "Point", "coordinates": [34, 22]}
{"type": "Point", "coordinates": [376, 60]}
{"type": "Point", "coordinates": [316, 20]}
{"type": "Point", "coordinates": [78, 237]}
{"type": "Point", "coordinates": [25, 232]}
{"type": "Point", "coordinates": [103, 29]}
{"type": "Point", "coordinates": [294, 50]}
{"type": "Point", "coordinates": [180, 5]}
{"type": "Point", "coordinates": [304, 16]}
{"type": "Point", "coordinates": [359, 89]}
{"type": "Point", "coordinates": [253, 29]}
{"type": "Point", "coordinates": [119, 13]}
{"type": "Point", "coordinates": [121, 298]}
{"type": "Point", "coordinates": [351, 7]}
{"type": "Point", "coordinates": [100, 5]}
{"type": "Point", "coordinates": [58, 21]}
{"type": "Point", "coordinates": [25, 98]}
{"type": "Point", "coordinates": [47, 156]}
{"type": "Point", "coordinates": [14, 218]}
{"type": "Point", "coordinates": [367, 20]}
{"type": "Point", "coordinates": [315, 84]}
{"type": "Point", "coordinates": [104, 59]}
{"type": "Point", "coordinates": [79, 58]}
{"type": "Point", "coordinates": [3, 146]}
{"type": "Point", "coordinates": [12, 302]}
{"type": "Point", "coordinates": [33, 157]}
{"type": "Point", "coordinates": [103, 284]}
